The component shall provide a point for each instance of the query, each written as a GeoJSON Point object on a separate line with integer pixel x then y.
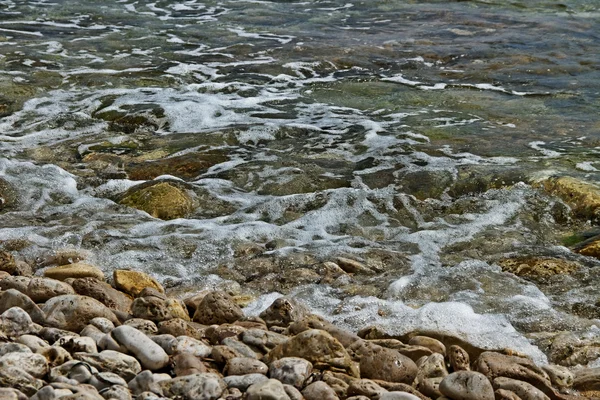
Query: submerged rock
{"type": "Point", "coordinates": [537, 268]}
{"type": "Point", "coordinates": [164, 200]}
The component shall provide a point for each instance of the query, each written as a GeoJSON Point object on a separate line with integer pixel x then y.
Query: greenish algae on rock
{"type": "Point", "coordinates": [164, 200]}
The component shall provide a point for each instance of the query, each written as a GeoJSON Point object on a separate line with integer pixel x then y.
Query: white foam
{"type": "Point", "coordinates": [537, 145]}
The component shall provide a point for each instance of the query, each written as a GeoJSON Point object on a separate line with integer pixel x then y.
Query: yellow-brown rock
{"type": "Point", "coordinates": [77, 270]}
{"type": "Point", "coordinates": [133, 282]}
{"type": "Point", "coordinates": [162, 200]}
{"type": "Point", "coordinates": [592, 249]}
{"type": "Point", "coordinates": [317, 346]}
{"type": "Point", "coordinates": [582, 197]}
{"type": "Point", "coordinates": [538, 268]}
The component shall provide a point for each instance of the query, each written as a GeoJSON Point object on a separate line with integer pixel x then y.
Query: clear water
{"type": "Point", "coordinates": [334, 128]}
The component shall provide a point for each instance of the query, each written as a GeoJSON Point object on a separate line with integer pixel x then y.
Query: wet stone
{"type": "Point", "coordinates": [19, 283]}
{"type": "Point", "coordinates": [365, 387]}
{"type": "Point", "coordinates": [524, 390]}
{"type": "Point", "coordinates": [217, 308]}
{"type": "Point", "coordinates": [240, 347]}
{"type": "Point", "coordinates": [133, 282]}
{"type": "Point", "coordinates": [181, 327]}
{"type": "Point", "coordinates": [283, 311]}
{"type": "Point", "coordinates": [263, 340]}
{"type": "Point", "coordinates": [378, 362]}
{"type": "Point", "coordinates": [77, 270]}
{"type": "Point", "coordinates": [103, 292]}
{"type": "Point", "coordinates": [467, 385]}
{"type": "Point", "coordinates": [319, 391]}
{"type": "Point", "coordinates": [459, 358]}
{"type": "Point", "coordinates": [157, 309]}
{"type": "Point", "coordinates": [431, 343]}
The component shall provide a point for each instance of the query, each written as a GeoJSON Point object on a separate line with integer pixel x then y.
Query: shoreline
{"type": "Point", "coordinates": [135, 341]}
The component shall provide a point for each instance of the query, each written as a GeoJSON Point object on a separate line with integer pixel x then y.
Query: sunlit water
{"type": "Point", "coordinates": [332, 128]}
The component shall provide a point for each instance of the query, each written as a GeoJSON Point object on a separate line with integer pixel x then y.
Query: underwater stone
{"type": "Point", "coordinates": [162, 200]}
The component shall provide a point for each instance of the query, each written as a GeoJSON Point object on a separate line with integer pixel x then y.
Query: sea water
{"type": "Point", "coordinates": [335, 128]}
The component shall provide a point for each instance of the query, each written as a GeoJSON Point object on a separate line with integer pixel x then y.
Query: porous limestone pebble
{"type": "Point", "coordinates": [74, 312]}
{"type": "Point", "coordinates": [244, 366]}
{"type": "Point", "coordinates": [270, 389]}
{"type": "Point", "coordinates": [291, 370]}
{"type": "Point", "coordinates": [207, 386]}
{"type": "Point", "coordinates": [242, 382]}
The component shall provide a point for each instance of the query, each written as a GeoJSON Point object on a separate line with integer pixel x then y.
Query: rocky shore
{"type": "Point", "coordinates": [71, 335]}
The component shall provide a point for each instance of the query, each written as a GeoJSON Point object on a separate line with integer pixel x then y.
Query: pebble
{"type": "Point", "coordinates": [76, 270]}
{"type": "Point", "coordinates": [291, 370]}
{"type": "Point", "coordinates": [398, 396]}
{"type": "Point", "coordinates": [467, 385]}
{"type": "Point", "coordinates": [34, 364]}
{"type": "Point", "coordinates": [14, 298]}
{"type": "Point", "coordinates": [74, 312]}
{"type": "Point", "coordinates": [206, 386]}
{"type": "Point", "coordinates": [431, 343]}
{"type": "Point", "coordinates": [244, 366]}
{"type": "Point", "coordinates": [144, 382]}
{"type": "Point", "coordinates": [133, 282]}
{"type": "Point", "coordinates": [319, 390]}
{"type": "Point", "coordinates": [41, 289]}
{"type": "Point", "coordinates": [283, 311]}
{"type": "Point", "coordinates": [242, 382]}
{"type": "Point", "coordinates": [195, 347]}
{"type": "Point", "coordinates": [103, 292]}
{"type": "Point", "coordinates": [318, 347]}
{"type": "Point", "coordinates": [16, 322]}
{"type": "Point", "coordinates": [187, 364]}
{"type": "Point", "coordinates": [112, 361]}
{"type": "Point", "coordinates": [378, 362]}
{"type": "Point", "coordinates": [300, 352]}
{"type": "Point", "coordinates": [524, 390]}
{"type": "Point", "coordinates": [217, 308]}
{"type": "Point", "coordinates": [271, 389]}
{"type": "Point", "coordinates": [150, 355]}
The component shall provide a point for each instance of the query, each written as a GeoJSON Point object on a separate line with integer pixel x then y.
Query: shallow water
{"type": "Point", "coordinates": [404, 134]}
